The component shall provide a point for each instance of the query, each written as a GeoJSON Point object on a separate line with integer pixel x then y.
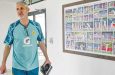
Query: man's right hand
{"type": "Point", "coordinates": [2, 69]}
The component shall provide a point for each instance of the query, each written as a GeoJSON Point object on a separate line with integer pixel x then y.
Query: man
{"type": "Point", "coordinates": [23, 35]}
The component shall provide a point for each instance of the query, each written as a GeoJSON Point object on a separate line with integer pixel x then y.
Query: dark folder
{"type": "Point", "coordinates": [45, 69]}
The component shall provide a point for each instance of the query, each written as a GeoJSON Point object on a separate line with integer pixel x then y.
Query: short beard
{"type": "Point", "coordinates": [23, 17]}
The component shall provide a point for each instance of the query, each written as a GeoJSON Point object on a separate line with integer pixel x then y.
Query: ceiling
{"type": "Point", "coordinates": [19, 0]}
{"type": "Point", "coordinates": [9, 0]}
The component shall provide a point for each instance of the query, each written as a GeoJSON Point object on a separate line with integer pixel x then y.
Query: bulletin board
{"type": "Point", "coordinates": [89, 28]}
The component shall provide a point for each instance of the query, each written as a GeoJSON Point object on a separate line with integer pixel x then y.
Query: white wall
{"type": "Point", "coordinates": [64, 63]}
{"type": "Point", "coordinates": [7, 16]}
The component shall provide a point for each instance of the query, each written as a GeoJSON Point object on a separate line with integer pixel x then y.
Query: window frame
{"type": "Point", "coordinates": [29, 2]}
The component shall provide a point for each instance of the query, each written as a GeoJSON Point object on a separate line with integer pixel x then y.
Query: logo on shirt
{"type": "Point", "coordinates": [33, 32]}
{"type": "Point", "coordinates": [27, 40]}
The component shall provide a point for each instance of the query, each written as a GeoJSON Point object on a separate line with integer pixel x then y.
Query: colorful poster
{"type": "Point", "coordinates": [89, 46]}
{"type": "Point", "coordinates": [97, 24]}
{"type": "Point", "coordinates": [107, 36]}
{"type": "Point", "coordinates": [97, 47]}
{"type": "Point", "coordinates": [97, 36]}
{"type": "Point", "coordinates": [111, 15]}
{"type": "Point", "coordinates": [80, 46]}
{"type": "Point", "coordinates": [80, 36]}
{"type": "Point", "coordinates": [106, 47]}
{"type": "Point", "coordinates": [114, 47]}
{"type": "Point", "coordinates": [111, 24]}
{"type": "Point", "coordinates": [90, 27]}
{"type": "Point", "coordinates": [104, 24]}
{"type": "Point", "coordinates": [89, 36]}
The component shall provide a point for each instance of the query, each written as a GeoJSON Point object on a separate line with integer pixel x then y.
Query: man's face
{"type": "Point", "coordinates": [22, 10]}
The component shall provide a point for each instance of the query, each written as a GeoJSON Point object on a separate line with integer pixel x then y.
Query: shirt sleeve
{"type": "Point", "coordinates": [40, 37]}
{"type": "Point", "coordinates": [9, 37]}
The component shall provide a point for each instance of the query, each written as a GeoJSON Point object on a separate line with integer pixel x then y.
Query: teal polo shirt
{"type": "Point", "coordinates": [24, 41]}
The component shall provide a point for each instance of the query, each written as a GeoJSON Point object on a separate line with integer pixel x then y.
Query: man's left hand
{"type": "Point", "coordinates": [47, 62]}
